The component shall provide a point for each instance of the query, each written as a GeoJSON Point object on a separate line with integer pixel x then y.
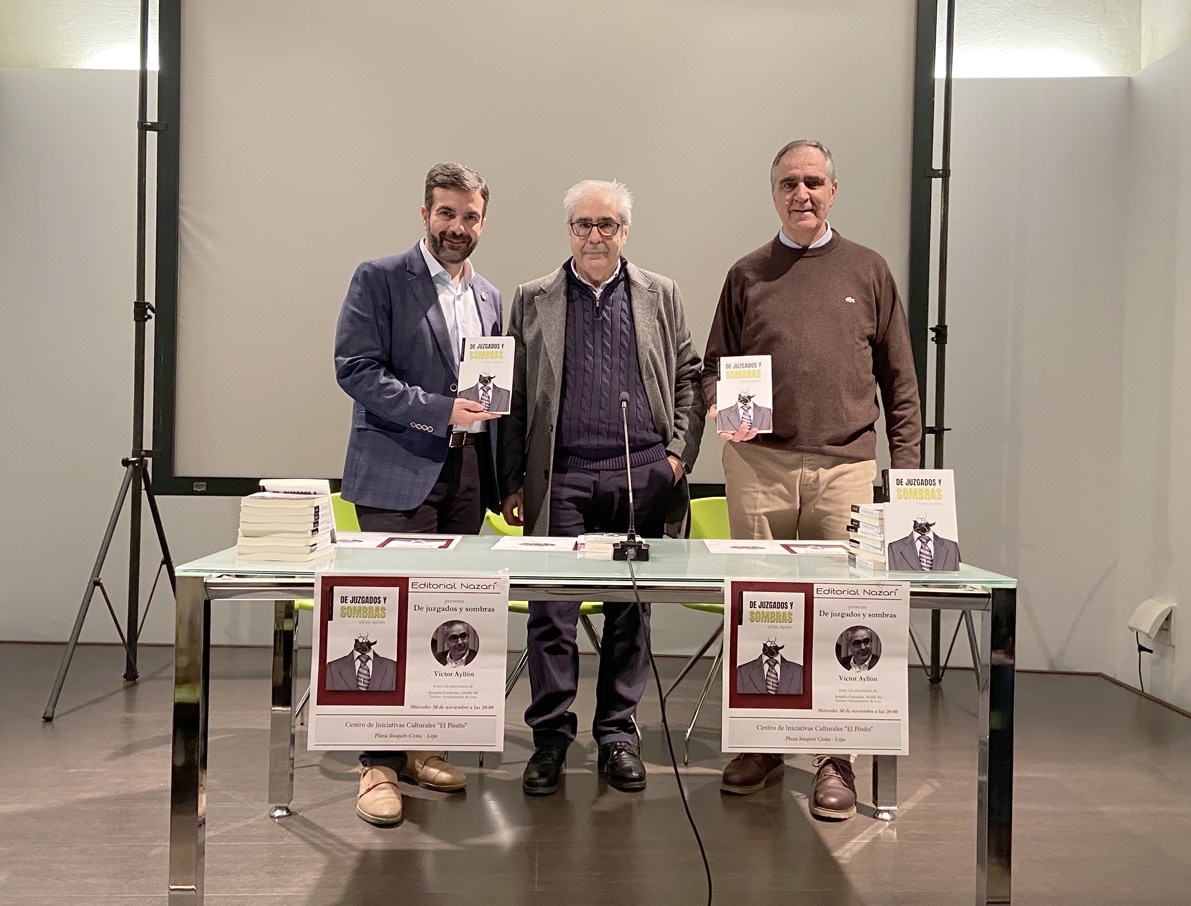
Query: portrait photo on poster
{"type": "Point", "coordinates": [455, 643]}
{"type": "Point", "coordinates": [858, 649]}
{"type": "Point", "coordinates": [769, 648]}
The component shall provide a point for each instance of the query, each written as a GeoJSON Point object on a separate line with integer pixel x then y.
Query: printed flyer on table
{"type": "Point", "coordinates": [815, 667]}
{"type": "Point", "coordinates": [413, 662]}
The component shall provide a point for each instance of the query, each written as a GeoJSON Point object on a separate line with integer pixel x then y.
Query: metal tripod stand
{"type": "Point", "coordinates": [136, 465]}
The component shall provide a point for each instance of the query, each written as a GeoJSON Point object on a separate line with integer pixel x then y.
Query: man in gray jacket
{"type": "Point", "coordinates": [598, 341]}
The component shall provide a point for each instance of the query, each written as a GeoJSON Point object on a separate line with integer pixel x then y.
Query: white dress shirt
{"type": "Point", "coordinates": [458, 305]}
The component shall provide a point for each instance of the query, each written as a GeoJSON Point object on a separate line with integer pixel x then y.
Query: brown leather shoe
{"type": "Point", "coordinates": [835, 788]}
{"type": "Point", "coordinates": [379, 800]}
{"type": "Point", "coordinates": [432, 771]}
{"type": "Point", "coordinates": [748, 772]}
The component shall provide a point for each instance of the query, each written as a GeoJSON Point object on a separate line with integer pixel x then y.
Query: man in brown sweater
{"type": "Point", "coordinates": [828, 312]}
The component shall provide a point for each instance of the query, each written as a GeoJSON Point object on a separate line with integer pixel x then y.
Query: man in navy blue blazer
{"type": "Point", "coordinates": [419, 458]}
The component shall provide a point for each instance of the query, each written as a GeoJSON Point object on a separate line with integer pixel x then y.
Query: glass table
{"type": "Point", "coordinates": [678, 572]}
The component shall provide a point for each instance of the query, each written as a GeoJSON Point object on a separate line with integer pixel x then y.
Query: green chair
{"type": "Point", "coordinates": [587, 609]}
{"type": "Point", "coordinates": [345, 514]}
{"type": "Point", "coordinates": [709, 519]}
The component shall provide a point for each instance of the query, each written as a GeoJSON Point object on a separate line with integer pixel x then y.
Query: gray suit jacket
{"type": "Point", "coordinates": [501, 398]}
{"type": "Point", "coordinates": [729, 419]}
{"type": "Point", "coordinates": [341, 674]}
{"type": "Point", "coordinates": [669, 369]}
{"type": "Point", "coordinates": [750, 677]}
{"type": "Point", "coordinates": [393, 357]}
{"type": "Point", "coordinates": [903, 554]}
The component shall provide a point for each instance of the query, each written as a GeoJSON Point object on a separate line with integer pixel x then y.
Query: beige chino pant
{"type": "Point", "coordinates": [777, 494]}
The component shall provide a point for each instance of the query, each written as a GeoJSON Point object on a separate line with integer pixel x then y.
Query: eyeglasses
{"type": "Point", "coordinates": [607, 228]}
{"type": "Point", "coordinates": [457, 637]}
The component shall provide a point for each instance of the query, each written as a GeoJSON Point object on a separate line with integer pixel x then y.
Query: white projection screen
{"type": "Point", "coordinates": [305, 129]}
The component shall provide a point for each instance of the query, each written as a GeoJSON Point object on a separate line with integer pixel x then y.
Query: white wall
{"type": "Point", "coordinates": [1165, 27]}
{"type": "Point", "coordinates": [1033, 379]}
{"type": "Point", "coordinates": [68, 258]}
{"type": "Point", "coordinates": [1067, 372]}
{"type": "Point", "coordinates": [1155, 479]}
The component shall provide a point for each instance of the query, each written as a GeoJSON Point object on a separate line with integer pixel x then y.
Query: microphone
{"type": "Point", "coordinates": [632, 548]}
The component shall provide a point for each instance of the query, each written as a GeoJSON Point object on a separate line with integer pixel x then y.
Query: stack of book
{"type": "Point", "coordinates": [289, 521]}
{"type": "Point", "coordinates": [598, 545]}
{"type": "Point", "coordinates": [866, 537]}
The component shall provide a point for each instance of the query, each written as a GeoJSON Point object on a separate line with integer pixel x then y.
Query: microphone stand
{"type": "Point", "coordinates": [632, 548]}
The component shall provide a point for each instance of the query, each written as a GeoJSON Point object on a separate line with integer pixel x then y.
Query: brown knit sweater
{"type": "Point", "coordinates": [832, 320]}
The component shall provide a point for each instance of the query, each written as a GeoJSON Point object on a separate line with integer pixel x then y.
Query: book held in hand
{"type": "Point", "coordinates": [486, 372]}
{"type": "Point", "coordinates": [744, 394]}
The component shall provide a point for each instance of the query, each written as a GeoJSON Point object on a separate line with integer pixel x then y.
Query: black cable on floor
{"type": "Point", "coordinates": [669, 744]}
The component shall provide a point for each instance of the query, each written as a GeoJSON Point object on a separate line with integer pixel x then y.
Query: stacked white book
{"type": "Point", "coordinates": [598, 545]}
{"type": "Point", "coordinates": [289, 521]}
{"type": "Point", "coordinates": [866, 537]}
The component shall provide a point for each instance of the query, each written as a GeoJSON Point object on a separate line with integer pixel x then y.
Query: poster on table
{"type": "Point", "coordinates": [380, 540]}
{"type": "Point", "coordinates": [409, 662]}
{"type": "Point", "coordinates": [815, 667]}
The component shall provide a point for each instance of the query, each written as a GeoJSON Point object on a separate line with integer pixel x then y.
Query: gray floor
{"type": "Point", "coordinates": [1101, 811]}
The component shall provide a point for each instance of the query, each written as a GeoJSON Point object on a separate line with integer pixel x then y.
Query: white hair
{"type": "Point", "coordinates": [616, 192]}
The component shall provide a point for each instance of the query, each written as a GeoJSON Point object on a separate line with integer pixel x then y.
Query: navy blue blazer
{"type": "Point", "coordinates": [393, 357]}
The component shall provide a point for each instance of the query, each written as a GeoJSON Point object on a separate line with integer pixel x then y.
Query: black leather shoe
{"type": "Point", "coordinates": [620, 764]}
{"type": "Point", "coordinates": [543, 774]}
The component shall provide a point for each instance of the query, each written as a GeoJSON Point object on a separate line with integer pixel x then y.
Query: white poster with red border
{"type": "Point", "coordinates": [815, 667]}
{"type": "Point", "coordinates": [409, 662]}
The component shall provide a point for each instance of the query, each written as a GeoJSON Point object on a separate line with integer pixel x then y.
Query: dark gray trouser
{"type": "Point", "coordinates": [452, 507]}
{"type": "Point", "coordinates": [586, 500]}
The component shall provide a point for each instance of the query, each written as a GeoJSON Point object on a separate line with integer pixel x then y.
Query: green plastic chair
{"type": "Point", "coordinates": [345, 514]}
{"type": "Point", "coordinates": [587, 609]}
{"type": "Point", "coordinates": [709, 519]}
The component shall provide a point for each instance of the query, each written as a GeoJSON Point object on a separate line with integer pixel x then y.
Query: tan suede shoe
{"type": "Point", "coordinates": [379, 800]}
{"type": "Point", "coordinates": [432, 771]}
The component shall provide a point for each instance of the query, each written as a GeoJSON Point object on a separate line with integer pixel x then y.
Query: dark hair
{"type": "Point", "coordinates": [457, 177]}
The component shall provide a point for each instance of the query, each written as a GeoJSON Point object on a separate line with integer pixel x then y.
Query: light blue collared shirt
{"type": "Point", "coordinates": [457, 302]}
{"type": "Point", "coordinates": [595, 289]}
{"type": "Point", "coordinates": [821, 241]}
{"type": "Point", "coordinates": [459, 310]}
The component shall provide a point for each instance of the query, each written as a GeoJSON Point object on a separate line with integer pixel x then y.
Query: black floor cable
{"type": "Point", "coordinates": [669, 744]}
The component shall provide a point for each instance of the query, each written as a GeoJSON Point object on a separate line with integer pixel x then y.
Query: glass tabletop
{"type": "Point", "coordinates": [671, 562]}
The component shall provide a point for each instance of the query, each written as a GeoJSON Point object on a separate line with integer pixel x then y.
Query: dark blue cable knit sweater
{"type": "Point", "coordinates": [600, 363]}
